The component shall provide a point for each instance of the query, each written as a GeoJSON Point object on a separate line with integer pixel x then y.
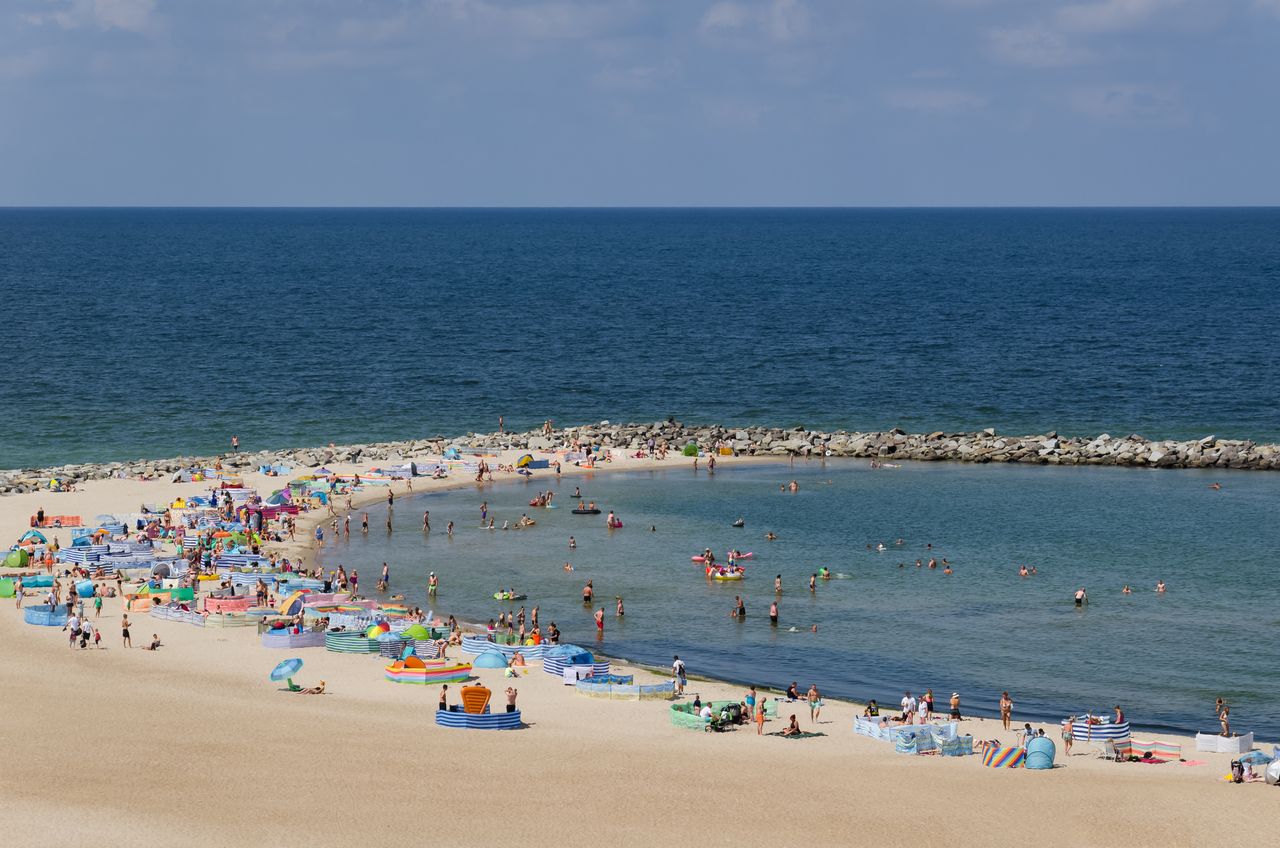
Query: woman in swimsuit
{"type": "Point", "coordinates": [1006, 709]}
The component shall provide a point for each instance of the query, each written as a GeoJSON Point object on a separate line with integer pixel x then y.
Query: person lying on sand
{"type": "Point", "coordinates": [313, 690]}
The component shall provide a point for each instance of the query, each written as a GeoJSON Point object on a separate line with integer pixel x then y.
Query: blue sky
{"type": "Point", "coordinates": [623, 102]}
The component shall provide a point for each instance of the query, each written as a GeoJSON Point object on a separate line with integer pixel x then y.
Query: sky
{"type": "Point", "coordinates": [635, 103]}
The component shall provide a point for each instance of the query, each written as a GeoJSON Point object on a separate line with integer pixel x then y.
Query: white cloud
{"type": "Point", "coordinates": [636, 77]}
{"type": "Point", "coordinates": [555, 19]}
{"type": "Point", "coordinates": [935, 101]}
{"type": "Point", "coordinates": [1035, 46]}
{"type": "Point", "coordinates": [778, 20]}
{"type": "Point", "coordinates": [1110, 15]}
{"type": "Point", "coordinates": [127, 15]}
{"type": "Point", "coordinates": [1130, 103]}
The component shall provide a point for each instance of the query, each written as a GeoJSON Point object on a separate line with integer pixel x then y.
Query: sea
{"type": "Point", "coordinates": [137, 333]}
{"type": "Point", "coordinates": [158, 332]}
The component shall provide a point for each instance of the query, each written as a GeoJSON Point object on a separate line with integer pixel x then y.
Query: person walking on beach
{"type": "Point", "coordinates": [1068, 735]}
{"type": "Point", "coordinates": [319, 537]}
{"type": "Point", "coordinates": [97, 605]}
{"type": "Point", "coordinates": [760, 710]}
{"type": "Point", "coordinates": [1006, 709]}
{"type": "Point", "coordinates": [1224, 718]}
{"type": "Point", "coordinates": [677, 672]}
{"type": "Point", "coordinates": [124, 631]}
{"type": "Point", "coordinates": [815, 703]}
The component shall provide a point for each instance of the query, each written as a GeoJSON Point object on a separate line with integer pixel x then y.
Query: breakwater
{"type": "Point", "coordinates": [888, 446]}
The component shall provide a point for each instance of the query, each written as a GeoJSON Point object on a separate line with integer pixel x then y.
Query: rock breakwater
{"type": "Point", "coordinates": [890, 446]}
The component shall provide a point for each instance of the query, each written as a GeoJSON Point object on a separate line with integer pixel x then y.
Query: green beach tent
{"type": "Point", "coordinates": [7, 589]}
{"type": "Point", "coordinates": [17, 558]}
{"type": "Point", "coordinates": [690, 449]}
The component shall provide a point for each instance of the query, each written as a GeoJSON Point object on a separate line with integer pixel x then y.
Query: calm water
{"type": "Point", "coordinates": [157, 332]}
{"type": "Point", "coordinates": [882, 628]}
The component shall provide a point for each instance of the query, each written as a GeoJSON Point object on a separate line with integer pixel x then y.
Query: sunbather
{"type": "Point", "coordinates": [793, 728]}
{"type": "Point", "coordinates": [313, 690]}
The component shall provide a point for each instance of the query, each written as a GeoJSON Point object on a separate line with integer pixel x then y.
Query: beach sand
{"type": "Point", "coordinates": [192, 745]}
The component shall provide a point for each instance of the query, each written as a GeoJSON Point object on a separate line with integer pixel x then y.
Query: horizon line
{"type": "Point", "coordinates": [622, 207]}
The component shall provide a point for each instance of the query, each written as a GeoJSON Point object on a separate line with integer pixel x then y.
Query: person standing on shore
{"type": "Point", "coordinates": [502, 425]}
{"type": "Point", "coordinates": [426, 521]}
{"type": "Point", "coordinates": [124, 631]}
{"type": "Point", "coordinates": [955, 706]}
{"type": "Point", "coordinates": [815, 703]}
{"type": "Point", "coordinates": [346, 526]}
{"type": "Point", "coordinates": [1006, 709]}
{"type": "Point", "coordinates": [235, 444]}
{"type": "Point", "coordinates": [677, 672]}
{"type": "Point", "coordinates": [364, 524]}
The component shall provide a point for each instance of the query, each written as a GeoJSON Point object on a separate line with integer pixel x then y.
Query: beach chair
{"type": "Point", "coordinates": [475, 699]}
{"type": "Point", "coordinates": [1115, 749]}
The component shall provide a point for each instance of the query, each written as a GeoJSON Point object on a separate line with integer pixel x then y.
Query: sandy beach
{"type": "Point", "coordinates": [192, 745]}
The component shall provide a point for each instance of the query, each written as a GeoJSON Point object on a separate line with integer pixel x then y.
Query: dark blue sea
{"type": "Point", "coordinates": [156, 332]}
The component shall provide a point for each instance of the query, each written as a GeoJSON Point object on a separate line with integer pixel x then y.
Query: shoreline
{"type": "Point", "coordinates": [892, 445]}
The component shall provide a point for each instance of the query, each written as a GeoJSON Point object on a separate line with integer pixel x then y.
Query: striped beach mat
{"type": "Point", "coordinates": [996, 757]}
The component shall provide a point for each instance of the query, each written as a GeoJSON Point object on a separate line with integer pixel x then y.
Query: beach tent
{"type": "Point", "coordinates": [452, 453]}
{"type": "Point", "coordinates": [524, 460]}
{"type": "Point", "coordinates": [17, 558]}
{"type": "Point", "coordinates": [570, 654]}
{"type": "Point", "coordinates": [490, 659]}
{"type": "Point", "coordinates": [1040, 753]}
{"type": "Point", "coordinates": [690, 449]}
{"type": "Point", "coordinates": [33, 534]}
{"type": "Point", "coordinates": [7, 589]}
{"type": "Point", "coordinates": [416, 632]}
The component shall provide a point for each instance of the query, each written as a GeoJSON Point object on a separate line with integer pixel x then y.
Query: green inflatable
{"type": "Point", "coordinates": [7, 589]}
{"type": "Point", "coordinates": [17, 559]}
{"type": "Point", "coordinates": [416, 632]}
{"type": "Point", "coordinates": [690, 449]}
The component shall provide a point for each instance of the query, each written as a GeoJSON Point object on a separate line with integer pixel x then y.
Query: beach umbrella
{"type": "Point", "coordinates": [286, 670]}
{"type": "Point", "coordinates": [1255, 758]}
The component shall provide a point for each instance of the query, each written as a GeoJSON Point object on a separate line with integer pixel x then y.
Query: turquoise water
{"type": "Point", "coordinates": [159, 332]}
{"type": "Point", "coordinates": [883, 629]}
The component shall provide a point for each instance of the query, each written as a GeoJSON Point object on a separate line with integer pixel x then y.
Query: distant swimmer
{"type": "Point", "coordinates": [1081, 597]}
{"type": "Point", "coordinates": [653, 528]}
{"type": "Point", "coordinates": [741, 522]}
{"type": "Point", "coordinates": [900, 542]}
{"type": "Point", "coordinates": [770, 536]}
{"type": "Point", "coordinates": [880, 548]}
{"type": "Point", "coordinates": [568, 567]}
{"type": "Point", "coordinates": [572, 544]}
{"type": "Point", "coordinates": [1160, 587]}
{"type": "Point", "coordinates": [1217, 487]}
{"type": "Point", "coordinates": [824, 573]}
{"type": "Point", "coordinates": [947, 568]}
{"type": "Point", "coordinates": [1126, 590]}
{"type": "Point", "coordinates": [577, 493]}
{"type": "Point", "coordinates": [777, 585]}
{"type": "Point", "coordinates": [1022, 571]}
{"type": "Point", "coordinates": [813, 582]}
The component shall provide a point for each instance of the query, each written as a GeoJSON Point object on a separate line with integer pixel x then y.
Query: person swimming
{"type": "Point", "coordinates": [1160, 587]}
{"type": "Point", "coordinates": [741, 522]}
{"type": "Point", "coordinates": [1081, 597]}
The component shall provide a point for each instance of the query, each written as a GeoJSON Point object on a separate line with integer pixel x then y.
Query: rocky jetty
{"type": "Point", "coordinates": [889, 446]}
